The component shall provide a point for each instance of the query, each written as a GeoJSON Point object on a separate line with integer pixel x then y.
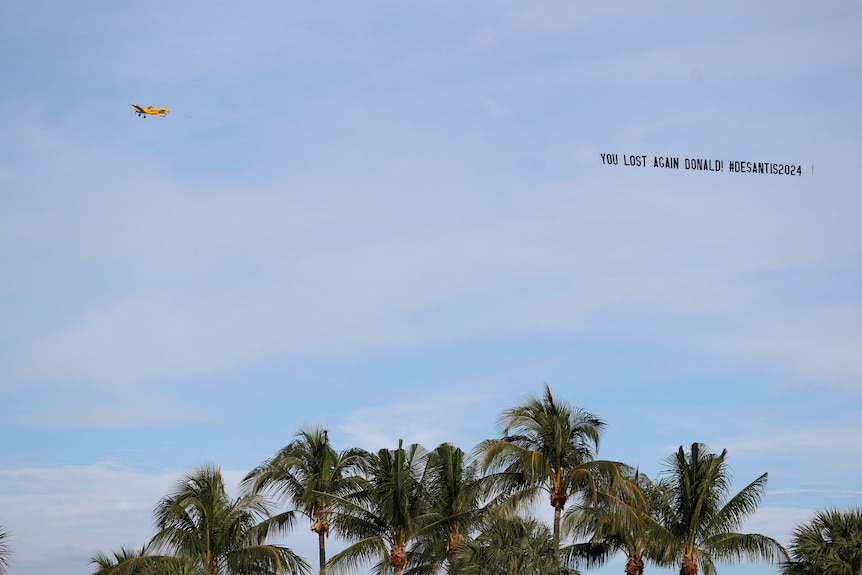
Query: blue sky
{"type": "Point", "coordinates": [392, 219]}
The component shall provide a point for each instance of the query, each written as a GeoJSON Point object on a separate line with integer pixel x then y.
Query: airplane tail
{"type": "Point", "coordinates": [165, 109]}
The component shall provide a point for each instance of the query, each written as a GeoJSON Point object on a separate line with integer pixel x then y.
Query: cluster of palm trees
{"type": "Point", "coordinates": [408, 511]}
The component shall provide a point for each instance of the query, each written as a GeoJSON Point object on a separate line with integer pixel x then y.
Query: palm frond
{"type": "Point", "coordinates": [736, 547]}
{"type": "Point", "coordinates": [740, 507]}
{"type": "Point", "coordinates": [357, 554]}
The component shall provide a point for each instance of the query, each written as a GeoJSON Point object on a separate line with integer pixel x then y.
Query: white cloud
{"type": "Point", "coordinates": [429, 420]}
{"type": "Point", "coordinates": [77, 507]}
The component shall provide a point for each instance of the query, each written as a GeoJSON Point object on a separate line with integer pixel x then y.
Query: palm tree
{"type": "Point", "coordinates": [829, 544]}
{"type": "Point", "coordinates": [511, 545]}
{"type": "Point", "coordinates": [702, 520]}
{"type": "Point", "coordinates": [622, 519]}
{"type": "Point", "coordinates": [547, 445]}
{"type": "Point", "coordinates": [134, 562]}
{"type": "Point", "coordinates": [304, 468]}
{"type": "Point", "coordinates": [5, 551]}
{"type": "Point", "coordinates": [387, 514]}
{"type": "Point", "coordinates": [454, 493]}
{"type": "Point", "coordinates": [226, 537]}
{"type": "Point", "coordinates": [106, 565]}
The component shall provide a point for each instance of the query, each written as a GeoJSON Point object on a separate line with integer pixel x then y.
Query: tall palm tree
{"type": "Point", "coordinates": [549, 446]}
{"type": "Point", "coordinates": [701, 517]}
{"type": "Point", "coordinates": [829, 544]}
{"type": "Point", "coordinates": [5, 551]}
{"type": "Point", "coordinates": [302, 470]}
{"type": "Point", "coordinates": [511, 545]}
{"type": "Point", "coordinates": [387, 514]}
{"type": "Point", "coordinates": [622, 519]}
{"type": "Point", "coordinates": [225, 536]}
{"type": "Point", "coordinates": [455, 494]}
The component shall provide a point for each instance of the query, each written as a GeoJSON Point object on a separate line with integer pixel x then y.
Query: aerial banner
{"type": "Point", "coordinates": [703, 164]}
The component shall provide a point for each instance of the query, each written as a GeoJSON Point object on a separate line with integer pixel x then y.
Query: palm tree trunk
{"type": "Point", "coordinates": [398, 557]}
{"type": "Point", "coordinates": [320, 525]}
{"type": "Point", "coordinates": [634, 565]}
{"type": "Point", "coordinates": [456, 539]}
{"type": "Point", "coordinates": [689, 565]}
{"type": "Point", "coordinates": [321, 544]}
{"type": "Point", "coordinates": [558, 512]}
{"type": "Point", "coordinates": [558, 501]}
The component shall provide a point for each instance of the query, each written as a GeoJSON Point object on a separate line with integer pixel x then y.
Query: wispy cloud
{"type": "Point", "coordinates": [429, 420]}
{"type": "Point", "coordinates": [80, 505]}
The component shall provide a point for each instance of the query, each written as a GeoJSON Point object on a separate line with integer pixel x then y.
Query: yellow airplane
{"type": "Point", "coordinates": [150, 110]}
